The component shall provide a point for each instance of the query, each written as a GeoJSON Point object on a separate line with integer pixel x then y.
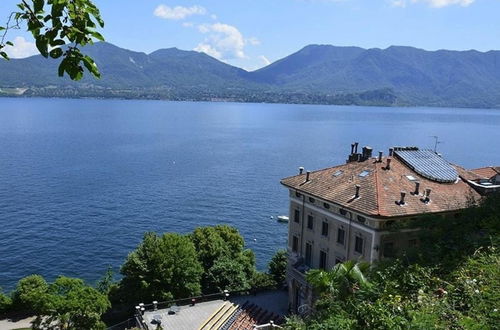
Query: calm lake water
{"type": "Point", "coordinates": [82, 180]}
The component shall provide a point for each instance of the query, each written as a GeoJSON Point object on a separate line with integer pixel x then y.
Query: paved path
{"type": "Point", "coordinates": [7, 324]}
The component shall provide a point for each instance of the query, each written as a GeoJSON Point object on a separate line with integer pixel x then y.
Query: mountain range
{"type": "Point", "coordinates": [315, 74]}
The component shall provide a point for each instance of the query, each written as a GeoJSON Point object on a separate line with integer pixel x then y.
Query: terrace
{"type": "Point", "coordinates": [226, 311]}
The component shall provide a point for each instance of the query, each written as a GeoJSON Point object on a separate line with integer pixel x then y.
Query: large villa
{"type": "Point", "coordinates": [350, 211]}
{"type": "Point", "coordinates": [346, 212]}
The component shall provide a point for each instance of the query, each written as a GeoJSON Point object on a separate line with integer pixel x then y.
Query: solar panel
{"type": "Point", "coordinates": [427, 163]}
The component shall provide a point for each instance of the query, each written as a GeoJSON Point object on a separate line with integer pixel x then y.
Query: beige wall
{"type": "Point", "coordinates": [374, 237]}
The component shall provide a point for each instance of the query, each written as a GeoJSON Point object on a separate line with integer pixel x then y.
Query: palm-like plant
{"type": "Point", "coordinates": [342, 280]}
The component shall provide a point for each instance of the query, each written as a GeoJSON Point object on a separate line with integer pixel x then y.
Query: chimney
{"type": "Point", "coordinates": [357, 191]}
{"type": "Point", "coordinates": [402, 200]}
{"type": "Point", "coordinates": [391, 151]}
{"type": "Point", "coordinates": [356, 147]}
{"type": "Point", "coordinates": [427, 195]}
{"type": "Point", "coordinates": [417, 188]}
{"type": "Point", "coordinates": [307, 175]}
{"type": "Point", "coordinates": [301, 170]}
{"type": "Point", "coordinates": [388, 166]}
{"type": "Point", "coordinates": [367, 153]}
{"type": "Point", "coordinates": [352, 148]}
{"type": "Point", "coordinates": [380, 153]}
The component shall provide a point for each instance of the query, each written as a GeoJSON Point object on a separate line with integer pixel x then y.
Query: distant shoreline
{"type": "Point", "coordinates": [238, 100]}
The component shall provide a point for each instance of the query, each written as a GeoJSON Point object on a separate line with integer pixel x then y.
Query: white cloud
{"type": "Point", "coordinates": [178, 12]}
{"type": "Point", "coordinates": [188, 24]}
{"type": "Point", "coordinates": [22, 48]}
{"type": "Point", "coordinates": [265, 60]}
{"type": "Point", "coordinates": [209, 50]}
{"type": "Point", "coordinates": [224, 41]}
{"type": "Point", "coordinates": [398, 3]}
{"type": "Point", "coordinates": [444, 3]}
{"type": "Point", "coordinates": [433, 3]}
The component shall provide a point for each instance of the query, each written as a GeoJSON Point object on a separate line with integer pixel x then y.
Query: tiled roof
{"type": "Point", "coordinates": [486, 172]}
{"type": "Point", "coordinates": [380, 190]}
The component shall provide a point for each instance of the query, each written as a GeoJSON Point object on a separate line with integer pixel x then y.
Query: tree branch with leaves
{"type": "Point", "coordinates": [60, 28]}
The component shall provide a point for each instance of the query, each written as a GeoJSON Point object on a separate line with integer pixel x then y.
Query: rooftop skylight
{"type": "Point", "coordinates": [338, 173]}
{"type": "Point", "coordinates": [411, 178]}
{"type": "Point", "coordinates": [364, 173]}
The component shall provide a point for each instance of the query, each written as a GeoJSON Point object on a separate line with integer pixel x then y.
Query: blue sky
{"type": "Point", "coordinates": [253, 33]}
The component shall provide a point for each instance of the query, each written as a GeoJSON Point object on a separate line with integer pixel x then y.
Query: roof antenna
{"type": "Point", "coordinates": [436, 142]}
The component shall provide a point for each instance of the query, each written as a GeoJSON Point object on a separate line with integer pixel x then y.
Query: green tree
{"type": "Point", "coordinates": [60, 29]}
{"type": "Point", "coordinates": [277, 266]}
{"type": "Point", "coordinates": [452, 283]}
{"type": "Point", "coordinates": [162, 268]}
{"type": "Point", "coordinates": [5, 303]}
{"type": "Point", "coordinates": [69, 304]}
{"type": "Point", "coordinates": [106, 282]}
{"type": "Point", "coordinates": [341, 281]}
{"type": "Point", "coordinates": [228, 274]}
{"type": "Point", "coordinates": [29, 293]}
{"type": "Point", "coordinates": [223, 246]}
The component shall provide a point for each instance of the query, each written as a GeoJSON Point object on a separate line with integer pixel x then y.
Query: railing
{"type": "Point", "coordinates": [141, 308]}
{"type": "Point", "coordinates": [267, 326]}
{"type": "Point", "coordinates": [131, 322]}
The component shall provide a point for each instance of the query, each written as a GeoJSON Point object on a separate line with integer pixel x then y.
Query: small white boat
{"type": "Point", "coordinates": [282, 218]}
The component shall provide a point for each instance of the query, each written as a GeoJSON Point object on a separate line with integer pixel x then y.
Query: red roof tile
{"type": "Point", "coordinates": [486, 172]}
{"type": "Point", "coordinates": [380, 190]}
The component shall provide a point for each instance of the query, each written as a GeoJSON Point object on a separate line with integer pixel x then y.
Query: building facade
{"type": "Point", "coordinates": [349, 212]}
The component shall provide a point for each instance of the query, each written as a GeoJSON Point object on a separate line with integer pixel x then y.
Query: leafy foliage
{"type": "Point", "coordinates": [161, 268]}
{"type": "Point", "coordinates": [226, 264]}
{"type": "Point", "coordinates": [454, 283]}
{"type": "Point", "coordinates": [5, 302]}
{"type": "Point", "coordinates": [277, 266]}
{"type": "Point", "coordinates": [70, 304]}
{"type": "Point", "coordinates": [105, 284]}
{"type": "Point", "coordinates": [29, 293]}
{"type": "Point", "coordinates": [60, 28]}
{"type": "Point", "coordinates": [343, 280]}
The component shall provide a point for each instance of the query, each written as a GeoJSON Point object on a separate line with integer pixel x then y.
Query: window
{"type": "Point", "coordinates": [326, 205]}
{"type": "Point", "coordinates": [345, 213]}
{"type": "Point", "coordinates": [308, 259]}
{"type": "Point", "coordinates": [341, 236]}
{"type": "Point", "coordinates": [361, 219]}
{"type": "Point", "coordinates": [324, 228]}
{"type": "Point", "coordinates": [322, 259]}
{"type": "Point", "coordinates": [412, 243]}
{"type": "Point", "coordinates": [358, 245]}
{"type": "Point", "coordinates": [295, 243]}
{"type": "Point", "coordinates": [297, 194]}
{"type": "Point", "coordinates": [296, 216]}
{"type": "Point", "coordinates": [389, 249]}
{"type": "Point", "coordinates": [312, 200]}
{"type": "Point", "coordinates": [310, 222]}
